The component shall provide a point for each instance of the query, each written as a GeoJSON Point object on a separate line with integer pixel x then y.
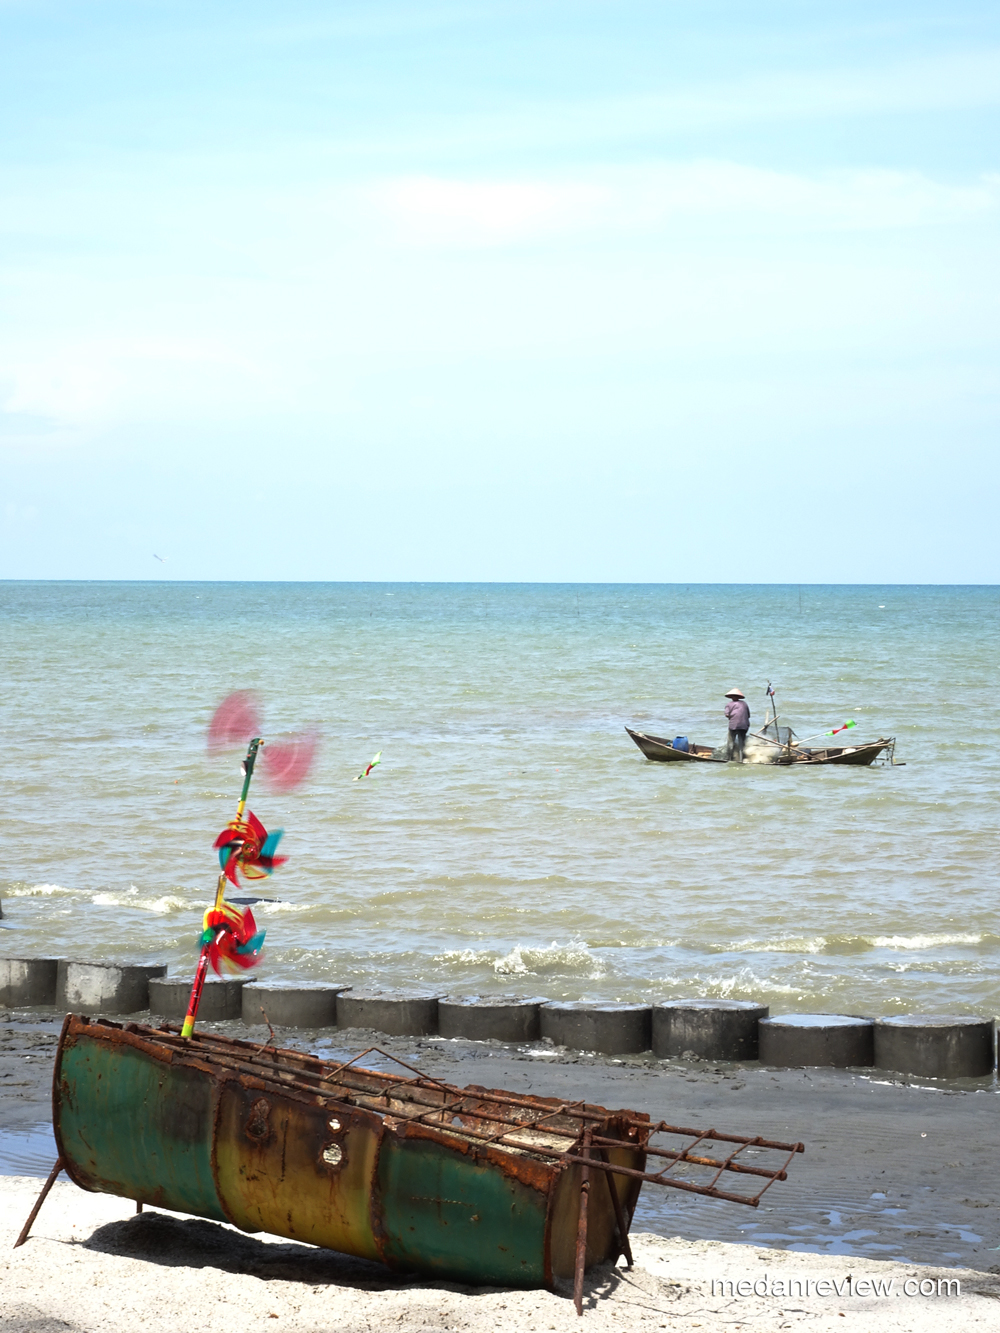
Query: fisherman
{"type": "Point", "coordinates": [738, 713]}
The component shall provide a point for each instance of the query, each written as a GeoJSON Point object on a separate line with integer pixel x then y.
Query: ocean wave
{"type": "Point", "coordinates": [922, 941]}
{"type": "Point", "coordinates": [787, 944]}
{"type": "Point", "coordinates": [162, 906]}
{"type": "Point", "coordinates": [572, 959]}
{"type": "Point", "coordinates": [38, 891]}
{"type": "Point", "coordinates": [742, 985]}
{"type": "Point", "coordinates": [848, 944]}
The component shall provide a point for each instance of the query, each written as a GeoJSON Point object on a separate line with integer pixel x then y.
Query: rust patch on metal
{"type": "Point", "coordinates": [256, 1127]}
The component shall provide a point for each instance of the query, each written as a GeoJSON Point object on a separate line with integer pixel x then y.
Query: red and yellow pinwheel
{"type": "Point", "coordinates": [245, 846]}
{"type": "Point", "coordinates": [231, 937]}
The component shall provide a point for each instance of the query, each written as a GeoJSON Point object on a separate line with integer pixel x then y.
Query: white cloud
{"type": "Point", "coordinates": [440, 211]}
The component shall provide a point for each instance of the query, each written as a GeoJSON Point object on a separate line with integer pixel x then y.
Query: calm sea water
{"type": "Point", "coordinates": [513, 838]}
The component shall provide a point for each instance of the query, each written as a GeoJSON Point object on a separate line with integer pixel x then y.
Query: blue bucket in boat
{"type": "Point", "coordinates": [681, 743]}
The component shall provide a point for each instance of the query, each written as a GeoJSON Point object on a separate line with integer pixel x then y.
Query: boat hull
{"type": "Point", "coordinates": [137, 1117]}
{"type": "Point", "coordinates": [660, 750]}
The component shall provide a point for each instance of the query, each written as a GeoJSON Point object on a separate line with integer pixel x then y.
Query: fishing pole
{"type": "Point", "coordinates": [846, 726]}
{"type": "Point", "coordinates": [769, 693]}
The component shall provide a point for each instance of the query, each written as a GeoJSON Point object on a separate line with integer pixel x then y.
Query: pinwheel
{"type": "Point", "coordinates": [231, 937]}
{"type": "Point", "coordinates": [245, 845]}
{"type": "Point", "coordinates": [376, 760]}
{"type": "Point", "coordinates": [235, 720]}
{"type": "Point", "coordinates": [286, 762]}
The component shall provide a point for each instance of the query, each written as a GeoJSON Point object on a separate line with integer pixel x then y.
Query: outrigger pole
{"type": "Point", "coordinates": [220, 892]}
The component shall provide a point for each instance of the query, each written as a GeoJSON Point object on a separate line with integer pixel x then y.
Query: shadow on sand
{"type": "Point", "coordinates": [194, 1243]}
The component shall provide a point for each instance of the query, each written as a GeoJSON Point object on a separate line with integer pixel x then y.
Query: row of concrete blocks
{"type": "Point", "coordinates": [930, 1046]}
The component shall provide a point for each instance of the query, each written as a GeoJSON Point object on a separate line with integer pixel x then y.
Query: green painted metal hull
{"type": "Point", "coordinates": [231, 1138]}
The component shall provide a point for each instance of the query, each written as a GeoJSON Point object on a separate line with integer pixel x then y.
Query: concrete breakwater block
{"type": "Point", "coordinates": [25, 982]}
{"type": "Point", "coordinates": [935, 1045]}
{"type": "Point", "coordinates": [711, 1029]}
{"type": "Point", "coordinates": [838, 1040]}
{"type": "Point", "coordinates": [168, 998]}
{"type": "Point", "coordinates": [395, 1015]}
{"type": "Point", "coordinates": [291, 1006]}
{"type": "Point", "coordinates": [611, 1029]}
{"type": "Point", "coordinates": [489, 1018]}
{"type": "Point", "coordinates": [106, 988]}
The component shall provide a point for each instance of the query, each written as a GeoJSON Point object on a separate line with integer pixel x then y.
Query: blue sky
{"type": "Point", "coordinates": [592, 291]}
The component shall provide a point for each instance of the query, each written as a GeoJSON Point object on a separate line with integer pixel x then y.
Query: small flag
{"type": "Point", "coordinates": [846, 727]}
{"type": "Point", "coordinates": [376, 760]}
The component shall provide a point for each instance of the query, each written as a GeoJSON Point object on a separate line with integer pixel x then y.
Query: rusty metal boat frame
{"type": "Point", "coordinates": [474, 1184]}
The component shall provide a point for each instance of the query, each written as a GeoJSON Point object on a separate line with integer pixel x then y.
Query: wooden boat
{"type": "Point", "coordinates": [472, 1184]}
{"type": "Point", "coordinates": [661, 750]}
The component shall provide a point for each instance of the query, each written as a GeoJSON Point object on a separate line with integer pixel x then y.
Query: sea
{"type": "Point", "coordinates": [513, 840]}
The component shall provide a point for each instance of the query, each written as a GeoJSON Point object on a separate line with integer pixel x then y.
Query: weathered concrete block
{"type": "Point", "coordinates": [612, 1029]}
{"type": "Point", "coordinates": [489, 1018]}
{"type": "Point", "coordinates": [935, 1045]}
{"type": "Point", "coordinates": [168, 998]}
{"type": "Point", "coordinates": [838, 1040]}
{"type": "Point", "coordinates": [26, 982]}
{"type": "Point", "coordinates": [711, 1029]}
{"type": "Point", "coordinates": [395, 1015]}
{"type": "Point", "coordinates": [290, 1005]}
{"type": "Point", "coordinates": [105, 988]}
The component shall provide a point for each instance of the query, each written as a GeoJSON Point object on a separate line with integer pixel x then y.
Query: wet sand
{"type": "Point", "coordinates": [892, 1172]}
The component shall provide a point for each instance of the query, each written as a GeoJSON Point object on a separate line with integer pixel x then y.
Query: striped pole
{"type": "Point", "coordinates": [198, 984]}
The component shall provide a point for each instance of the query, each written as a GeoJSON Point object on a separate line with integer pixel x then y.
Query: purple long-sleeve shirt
{"type": "Point", "coordinates": [738, 712]}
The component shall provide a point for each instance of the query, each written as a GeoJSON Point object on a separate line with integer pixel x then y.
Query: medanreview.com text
{"type": "Point", "coordinates": [849, 1285]}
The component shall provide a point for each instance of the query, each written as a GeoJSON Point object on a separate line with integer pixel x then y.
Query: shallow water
{"type": "Point", "coordinates": [513, 838]}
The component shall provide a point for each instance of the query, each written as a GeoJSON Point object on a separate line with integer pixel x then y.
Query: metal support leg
{"type": "Point", "coordinates": [581, 1226]}
{"type": "Point", "coordinates": [38, 1202]}
{"type": "Point", "coordinates": [616, 1203]}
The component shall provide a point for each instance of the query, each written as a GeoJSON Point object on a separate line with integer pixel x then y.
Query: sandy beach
{"type": "Point", "coordinates": [890, 1188]}
{"type": "Point", "coordinates": [92, 1265]}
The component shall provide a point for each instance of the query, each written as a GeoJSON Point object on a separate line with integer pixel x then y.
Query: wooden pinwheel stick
{"type": "Point", "coordinates": [198, 984]}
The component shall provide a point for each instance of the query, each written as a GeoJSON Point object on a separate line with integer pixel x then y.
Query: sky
{"type": "Point", "coordinates": [609, 290]}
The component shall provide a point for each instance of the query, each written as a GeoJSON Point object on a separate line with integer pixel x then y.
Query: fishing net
{"type": "Point", "coordinates": [767, 748]}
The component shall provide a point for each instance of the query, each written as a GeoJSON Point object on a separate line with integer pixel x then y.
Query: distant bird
{"type": "Point", "coordinates": [162, 558]}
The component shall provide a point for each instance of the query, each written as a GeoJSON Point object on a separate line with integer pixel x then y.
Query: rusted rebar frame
{"type": "Point", "coordinates": [427, 1083]}
{"type": "Point", "coordinates": [580, 1109]}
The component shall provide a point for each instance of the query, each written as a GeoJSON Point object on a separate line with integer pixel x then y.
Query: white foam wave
{"type": "Point", "coordinates": [162, 906]}
{"type": "Point", "coordinates": [742, 985]}
{"type": "Point", "coordinates": [38, 891]}
{"type": "Point", "coordinates": [922, 941]}
{"type": "Point", "coordinates": [794, 944]}
{"type": "Point", "coordinates": [819, 943]}
{"type": "Point", "coordinates": [572, 959]}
